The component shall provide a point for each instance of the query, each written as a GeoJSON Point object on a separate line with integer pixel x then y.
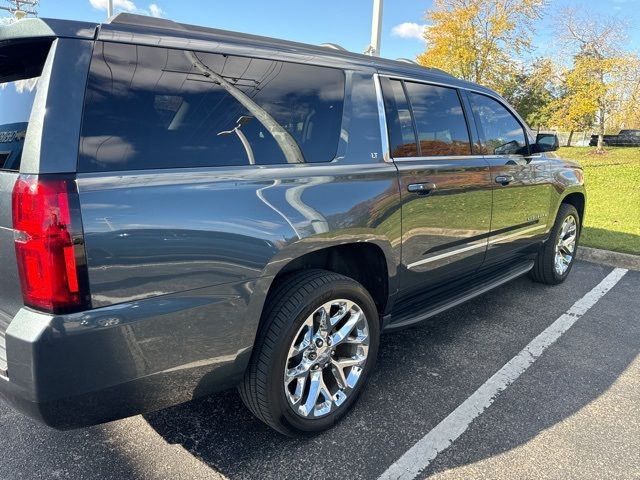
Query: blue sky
{"type": "Point", "coordinates": [346, 22]}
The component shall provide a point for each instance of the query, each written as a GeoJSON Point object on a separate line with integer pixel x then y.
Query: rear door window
{"type": "Point", "coordinates": [402, 137]}
{"type": "Point", "coordinates": [501, 132]}
{"type": "Point", "coordinates": [149, 107]}
{"type": "Point", "coordinates": [21, 64]}
{"type": "Point", "coordinates": [440, 121]}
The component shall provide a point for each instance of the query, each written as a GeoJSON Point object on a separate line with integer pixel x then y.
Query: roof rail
{"type": "Point", "coordinates": [334, 46]}
{"type": "Point", "coordinates": [124, 18]}
{"type": "Point", "coordinates": [407, 60]}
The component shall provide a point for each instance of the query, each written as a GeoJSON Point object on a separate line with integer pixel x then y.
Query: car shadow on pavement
{"type": "Point", "coordinates": [422, 375]}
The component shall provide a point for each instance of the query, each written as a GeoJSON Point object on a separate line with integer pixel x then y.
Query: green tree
{"type": "Point", "coordinates": [532, 91]}
{"type": "Point", "coordinates": [599, 70]}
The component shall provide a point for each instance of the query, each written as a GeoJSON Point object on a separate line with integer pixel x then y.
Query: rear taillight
{"type": "Point", "coordinates": [49, 243]}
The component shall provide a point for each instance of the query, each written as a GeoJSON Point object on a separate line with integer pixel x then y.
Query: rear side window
{"type": "Point", "coordinates": [440, 122]}
{"type": "Point", "coordinates": [20, 68]}
{"type": "Point", "coordinates": [150, 107]}
{"type": "Point", "coordinates": [402, 137]}
{"type": "Point", "coordinates": [501, 132]}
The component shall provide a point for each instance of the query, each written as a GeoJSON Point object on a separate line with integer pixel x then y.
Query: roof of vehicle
{"type": "Point", "coordinates": [140, 29]}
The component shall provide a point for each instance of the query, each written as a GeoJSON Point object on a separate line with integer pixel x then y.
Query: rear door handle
{"type": "Point", "coordinates": [421, 188]}
{"type": "Point", "coordinates": [504, 179]}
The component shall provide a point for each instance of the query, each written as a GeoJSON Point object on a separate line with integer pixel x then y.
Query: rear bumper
{"type": "Point", "coordinates": [83, 369]}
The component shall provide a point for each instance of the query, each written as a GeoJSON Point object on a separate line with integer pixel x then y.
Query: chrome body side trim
{"type": "Point", "coordinates": [467, 248]}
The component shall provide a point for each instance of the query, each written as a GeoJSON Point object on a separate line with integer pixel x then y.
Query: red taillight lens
{"type": "Point", "coordinates": [47, 246]}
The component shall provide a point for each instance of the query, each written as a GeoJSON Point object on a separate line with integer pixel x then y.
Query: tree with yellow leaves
{"type": "Point", "coordinates": [599, 71]}
{"type": "Point", "coordinates": [478, 40]}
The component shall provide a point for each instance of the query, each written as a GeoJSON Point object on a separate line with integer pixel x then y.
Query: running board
{"type": "Point", "coordinates": [400, 320]}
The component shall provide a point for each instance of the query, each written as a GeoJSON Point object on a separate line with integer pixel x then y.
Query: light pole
{"type": "Point", "coordinates": [376, 29]}
{"type": "Point", "coordinates": [21, 8]}
{"type": "Point", "coordinates": [109, 8]}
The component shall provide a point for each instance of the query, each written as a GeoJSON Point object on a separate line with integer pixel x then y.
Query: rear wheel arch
{"type": "Point", "coordinates": [364, 262]}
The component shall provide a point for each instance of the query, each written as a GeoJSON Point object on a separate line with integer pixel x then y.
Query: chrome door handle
{"type": "Point", "coordinates": [504, 179]}
{"type": "Point", "coordinates": [421, 188]}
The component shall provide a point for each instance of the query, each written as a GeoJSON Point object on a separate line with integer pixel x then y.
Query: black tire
{"type": "Point", "coordinates": [293, 300]}
{"type": "Point", "coordinates": [544, 269]}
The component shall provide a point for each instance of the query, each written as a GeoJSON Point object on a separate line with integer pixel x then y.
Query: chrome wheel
{"type": "Point", "coordinates": [566, 245]}
{"type": "Point", "coordinates": [327, 358]}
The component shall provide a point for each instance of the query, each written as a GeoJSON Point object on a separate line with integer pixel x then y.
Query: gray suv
{"type": "Point", "coordinates": [184, 210]}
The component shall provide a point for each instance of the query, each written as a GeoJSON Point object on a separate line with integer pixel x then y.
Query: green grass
{"type": "Point", "coordinates": [613, 197]}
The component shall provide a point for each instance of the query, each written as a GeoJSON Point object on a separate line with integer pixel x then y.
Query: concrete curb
{"type": "Point", "coordinates": [606, 257]}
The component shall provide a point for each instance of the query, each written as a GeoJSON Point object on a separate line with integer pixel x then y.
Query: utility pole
{"type": "Point", "coordinates": [109, 8]}
{"type": "Point", "coordinates": [376, 29]}
{"type": "Point", "coordinates": [21, 8]}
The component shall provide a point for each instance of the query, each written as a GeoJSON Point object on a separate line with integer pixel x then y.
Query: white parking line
{"type": "Point", "coordinates": [418, 457]}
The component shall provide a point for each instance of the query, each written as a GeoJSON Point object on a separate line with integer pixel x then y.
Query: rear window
{"type": "Point", "coordinates": [20, 68]}
{"type": "Point", "coordinates": [150, 107]}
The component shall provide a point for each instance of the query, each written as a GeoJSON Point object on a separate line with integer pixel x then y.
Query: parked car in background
{"type": "Point", "coordinates": [192, 209]}
{"type": "Point", "coordinates": [626, 138]}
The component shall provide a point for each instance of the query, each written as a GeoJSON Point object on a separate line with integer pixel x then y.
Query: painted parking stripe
{"type": "Point", "coordinates": [418, 457]}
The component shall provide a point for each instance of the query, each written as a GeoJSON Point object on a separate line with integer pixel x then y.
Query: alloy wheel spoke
{"type": "Point", "coordinates": [358, 340]}
{"type": "Point", "coordinates": [303, 345]}
{"type": "Point", "coordinates": [348, 362]}
{"type": "Point", "coordinates": [301, 370]}
{"type": "Point", "coordinates": [323, 320]}
{"type": "Point", "coordinates": [314, 392]}
{"type": "Point", "coordinates": [344, 331]}
{"type": "Point", "coordinates": [345, 308]}
{"type": "Point", "coordinates": [338, 374]}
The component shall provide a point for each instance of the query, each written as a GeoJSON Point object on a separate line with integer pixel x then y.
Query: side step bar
{"type": "Point", "coordinates": [402, 320]}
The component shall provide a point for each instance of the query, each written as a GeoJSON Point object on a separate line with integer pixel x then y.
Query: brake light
{"type": "Point", "coordinates": [49, 244]}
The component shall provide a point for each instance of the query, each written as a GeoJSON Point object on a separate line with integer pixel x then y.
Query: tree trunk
{"type": "Point", "coordinates": [569, 138]}
{"type": "Point", "coordinates": [600, 148]}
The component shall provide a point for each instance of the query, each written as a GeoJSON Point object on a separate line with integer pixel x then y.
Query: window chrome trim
{"type": "Point", "coordinates": [382, 118]}
{"type": "Point", "coordinates": [440, 84]}
{"type": "Point", "coordinates": [467, 248]}
{"type": "Point", "coordinates": [438, 157]}
{"type": "Point", "coordinates": [487, 93]}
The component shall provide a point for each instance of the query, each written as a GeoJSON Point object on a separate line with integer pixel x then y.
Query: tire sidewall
{"type": "Point", "coordinates": [283, 412]}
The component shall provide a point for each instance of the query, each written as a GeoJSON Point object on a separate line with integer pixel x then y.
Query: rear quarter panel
{"type": "Point", "coordinates": [180, 261]}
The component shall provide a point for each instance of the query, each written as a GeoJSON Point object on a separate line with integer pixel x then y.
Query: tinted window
{"type": "Point", "coordinates": [442, 128]}
{"type": "Point", "coordinates": [149, 107]}
{"type": "Point", "coordinates": [402, 139]}
{"type": "Point", "coordinates": [20, 67]}
{"type": "Point", "coordinates": [501, 133]}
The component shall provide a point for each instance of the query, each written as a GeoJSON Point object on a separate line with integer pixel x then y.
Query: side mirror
{"type": "Point", "coordinates": [546, 142]}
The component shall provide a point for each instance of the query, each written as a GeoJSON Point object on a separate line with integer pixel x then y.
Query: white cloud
{"type": "Point", "coordinates": [155, 10]}
{"type": "Point", "coordinates": [126, 5]}
{"type": "Point", "coordinates": [408, 30]}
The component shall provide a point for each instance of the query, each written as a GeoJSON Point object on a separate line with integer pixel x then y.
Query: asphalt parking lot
{"type": "Point", "coordinates": [574, 413]}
